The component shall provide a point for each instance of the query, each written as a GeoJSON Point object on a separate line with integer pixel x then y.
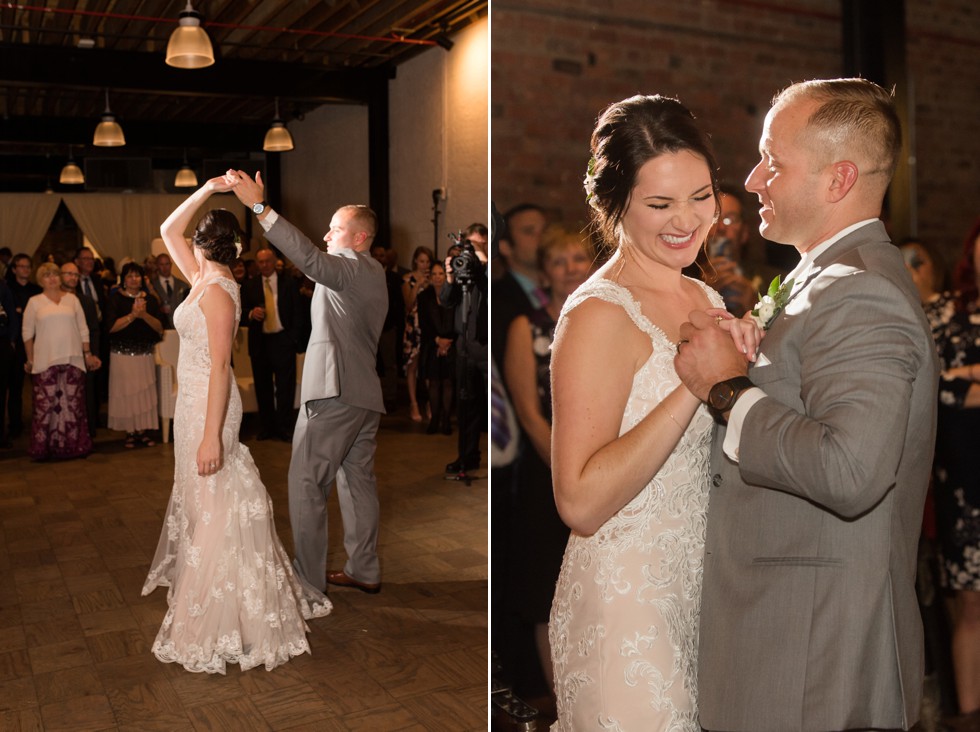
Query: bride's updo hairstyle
{"type": "Point", "coordinates": [627, 135]}
{"type": "Point", "coordinates": [217, 234]}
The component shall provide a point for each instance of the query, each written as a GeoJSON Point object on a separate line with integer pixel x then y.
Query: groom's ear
{"type": "Point", "coordinates": [844, 175]}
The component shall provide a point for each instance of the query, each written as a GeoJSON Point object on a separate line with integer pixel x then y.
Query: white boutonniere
{"type": "Point", "coordinates": [770, 304]}
{"type": "Point", "coordinates": [589, 184]}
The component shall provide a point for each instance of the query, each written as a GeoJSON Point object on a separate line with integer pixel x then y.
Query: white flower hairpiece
{"type": "Point", "coordinates": [238, 245]}
{"type": "Point", "coordinates": [589, 184]}
{"type": "Point", "coordinates": [770, 304]}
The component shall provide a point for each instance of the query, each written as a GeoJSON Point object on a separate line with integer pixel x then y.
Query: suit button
{"type": "Point", "coordinates": [716, 480]}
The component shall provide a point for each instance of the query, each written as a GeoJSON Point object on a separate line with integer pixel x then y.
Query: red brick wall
{"type": "Point", "coordinates": [943, 58]}
{"type": "Point", "coordinates": [556, 63]}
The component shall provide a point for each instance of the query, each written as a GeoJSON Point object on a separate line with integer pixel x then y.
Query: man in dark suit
{"type": "Point", "coordinates": [23, 287]}
{"type": "Point", "coordinates": [9, 335]}
{"type": "Point", "coordinates": [169, 289]}
{"type": "Point", "coordinates": [274, 314]}
{"type": "Point", "coordinates": [69, 283]}
{"type": "Point", "coordinates": [93, 287]}
{"type": "Point", "coordinates": [517, 291]}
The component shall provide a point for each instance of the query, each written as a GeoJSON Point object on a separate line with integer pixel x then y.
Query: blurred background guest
{"type": "Point", "coordinates": [57, 344]}
{"type": "Point", "coordinates": [23, 288]}
{"type": "Point", "coordinates": [437, 355]}
{"type": "Point", "coordinates": [69, 283]}
{"type": "Point", "coordinates": [956, 483]}
{"type": "Point", "coordinates": [276, 320]}
{"type": "Point", "coordinates": [170, 290]}
{"type": "Point", "coordinates": [135, 328]}
{"type": "Point", "coordinates": [565, 260]}
{"type": "Point", "coordinates": [9, 335]}
{"type": "Point", "coordinates": [413, 283]}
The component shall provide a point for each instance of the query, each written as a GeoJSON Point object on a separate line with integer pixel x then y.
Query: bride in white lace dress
{"type": "Point", "coordinates": [630, 443]}
{"type": "Point", "coordinates": [233, 596]}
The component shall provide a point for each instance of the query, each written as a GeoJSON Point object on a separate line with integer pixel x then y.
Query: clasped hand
{"type": "Point", "coordinates": [715, 346]}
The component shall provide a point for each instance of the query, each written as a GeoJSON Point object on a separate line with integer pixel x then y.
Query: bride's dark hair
{"type": "Point", "coordinates": [627, 135]}
{"type": "Point", "coordinates": [216, 234]}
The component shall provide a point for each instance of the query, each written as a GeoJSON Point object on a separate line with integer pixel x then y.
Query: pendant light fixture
{"type": "Point", "coordinates": [186, 177]}
{"type": "Point", "coordinates": [71, 174]}
{"type": "Point", "coordinates": [277, 139]}
{"type": "Point", "coordinates": [189, 46]}
{"type": "Point", "coordinates": [108, 133]}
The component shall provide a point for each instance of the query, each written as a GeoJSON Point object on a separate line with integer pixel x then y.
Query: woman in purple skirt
{"type": "Point", "coordinates": [56, 341]}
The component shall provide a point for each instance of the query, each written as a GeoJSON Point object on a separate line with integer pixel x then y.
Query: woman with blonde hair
{"type": "Point", "coordinates": [56, 340]}
{"type": "Point", "coordinates": [565, 261]}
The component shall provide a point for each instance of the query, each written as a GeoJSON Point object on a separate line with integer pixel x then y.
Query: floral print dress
{"type": "Point", "coordinates": [957, 462]}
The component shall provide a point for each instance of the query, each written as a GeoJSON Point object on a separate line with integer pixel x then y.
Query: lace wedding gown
{"type": "Point", "coordinates": [233, 596]}
{"type": "Point", "coordinates": [624, 622]}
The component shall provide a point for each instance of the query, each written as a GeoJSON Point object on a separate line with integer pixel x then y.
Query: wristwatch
{"type": "Point", "coordinates": [724, 394]}
{"type": "Point", "coordinates": [258, 208]}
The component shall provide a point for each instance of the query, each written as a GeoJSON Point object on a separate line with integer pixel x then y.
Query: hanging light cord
{"type": "Point", "coordinates": [210, 24]}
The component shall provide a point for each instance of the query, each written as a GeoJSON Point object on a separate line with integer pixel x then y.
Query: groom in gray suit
{"type": "Point", "coordinates": [809, 619]}
{"type": "Point", "coordinates": [340, 394]}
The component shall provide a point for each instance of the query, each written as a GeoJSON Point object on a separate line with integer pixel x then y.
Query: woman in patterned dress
{"type": "Point", "coordinates": [413, 284]}
{"type": "Point", "coordinates": [956, 327]}
{"type": "Point", "coordinates": [630, 443]}
{"type": "Point", "coordinates": [56, 340]}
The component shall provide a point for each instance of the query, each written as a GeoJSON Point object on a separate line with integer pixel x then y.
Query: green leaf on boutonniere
{"type": "Point", "coordinates": [770, 304]}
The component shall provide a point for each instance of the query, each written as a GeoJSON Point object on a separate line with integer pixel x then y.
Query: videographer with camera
{"type": "Point", "coordinates": [466, 291]}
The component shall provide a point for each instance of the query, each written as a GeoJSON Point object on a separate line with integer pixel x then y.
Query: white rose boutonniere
{"type": "Point", "coordinates": [770, 304]}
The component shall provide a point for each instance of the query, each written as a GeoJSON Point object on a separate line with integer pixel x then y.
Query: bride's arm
{"type": "Point", "coordinates": [219, 315]}
{"type": "Point", "coordinates": [596, 472]}
{"type": "Point", "coordinates": [172, 230]}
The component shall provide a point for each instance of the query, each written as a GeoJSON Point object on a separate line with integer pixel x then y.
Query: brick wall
{"type": "Point", "coordinates": [556, 63]}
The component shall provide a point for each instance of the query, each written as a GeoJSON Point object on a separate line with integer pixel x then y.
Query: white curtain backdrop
{"type": "Point", "coordinates": [25, 218]}
{"type": "Point", "coordinates": [119, 225]}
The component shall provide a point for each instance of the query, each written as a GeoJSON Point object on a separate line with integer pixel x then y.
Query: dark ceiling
{"type": "Point", "coordinates": [58, 58]}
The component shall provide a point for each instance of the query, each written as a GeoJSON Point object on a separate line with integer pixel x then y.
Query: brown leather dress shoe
{"type": "Point", "coordinates": [342, 579]}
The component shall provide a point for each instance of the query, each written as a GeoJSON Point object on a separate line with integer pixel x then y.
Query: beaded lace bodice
{"type": "Point", "coordinates": [625, 617]}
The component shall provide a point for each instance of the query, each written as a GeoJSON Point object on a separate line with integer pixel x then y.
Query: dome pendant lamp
{"type": "Point", "coordinates": [108, 133]}
{"type": "Point", "coordinates": [71, 174]}
{"type": "Point", "coordinates": [186, 177]}
{"type": "Point", "coordinates": [277, 139]}
{"type": "Point", "coordinates": [189, 46]}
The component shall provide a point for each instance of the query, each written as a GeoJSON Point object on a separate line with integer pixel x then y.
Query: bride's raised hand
{"type": "Point", "coordinates": [745, 332]}
{"type": "Point", "coordinates": [220, 184]}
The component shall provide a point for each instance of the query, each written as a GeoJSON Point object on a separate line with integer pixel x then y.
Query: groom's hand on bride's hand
{"type": "Point", "coordinates": [707, 354]}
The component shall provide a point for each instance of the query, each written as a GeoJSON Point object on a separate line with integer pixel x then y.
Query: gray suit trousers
{"type": "Point", "coordinates": [334, 441]}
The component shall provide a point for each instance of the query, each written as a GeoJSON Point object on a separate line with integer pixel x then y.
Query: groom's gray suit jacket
{"type": "Point", "coordinates": [809, 618]}
{"type": "Point", "coordinates": [350, 301]}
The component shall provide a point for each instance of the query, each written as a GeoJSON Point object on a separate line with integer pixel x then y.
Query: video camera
{"type": "Point", "coordinates": [463, 260]}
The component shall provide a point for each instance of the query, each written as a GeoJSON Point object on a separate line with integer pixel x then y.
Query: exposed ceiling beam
{"type": "Point", "coordinates": [141, 72]}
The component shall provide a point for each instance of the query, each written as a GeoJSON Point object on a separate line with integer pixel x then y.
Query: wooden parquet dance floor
{"type": "Point", "coordinates": [75, 635]}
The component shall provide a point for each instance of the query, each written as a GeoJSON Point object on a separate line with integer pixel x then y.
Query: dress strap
{"type": "Point", "coordinates": [614, 293]}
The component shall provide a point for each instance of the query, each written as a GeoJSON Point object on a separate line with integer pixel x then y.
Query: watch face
{"type": "Point", "coordinates": [720, 396]}
{"type": "Point", "coordinates": [258, 208]}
